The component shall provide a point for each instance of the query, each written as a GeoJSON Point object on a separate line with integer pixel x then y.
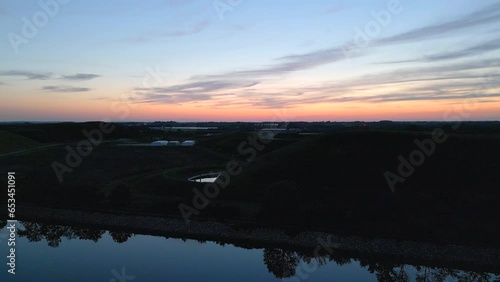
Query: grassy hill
{"type": "Point", "coordinates": [337, 181]}
{"type": "Point", "coordinates": [332, 181]}
{"type": "Point", "coordinates": [11, 142]}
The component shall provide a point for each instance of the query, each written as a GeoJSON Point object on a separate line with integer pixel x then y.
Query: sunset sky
{"type": "Point", "coordinates": [249, 60]}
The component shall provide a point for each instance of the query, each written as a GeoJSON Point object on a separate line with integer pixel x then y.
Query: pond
{"type": "Point", "coordinates": [205, 178]}
{"type": "Point", "coordinates": [65, 253]}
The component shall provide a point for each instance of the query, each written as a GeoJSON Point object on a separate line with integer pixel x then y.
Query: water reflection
{"type": "Point", "coordinates": [53, 234]}
{"type": "Point", "coordinates": [283, 264]}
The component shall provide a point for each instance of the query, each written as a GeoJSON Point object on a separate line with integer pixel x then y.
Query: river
{"type": "Point", "coordinates": [56, 253]}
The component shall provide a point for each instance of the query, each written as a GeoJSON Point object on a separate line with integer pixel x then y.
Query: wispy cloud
{"type": "Point", "coordinates": [284, 65]}
{"type": "Point", "coordinates": [80, 76]}
{"type": "Point", "coordinates": [309, 60]}
{"type": "Point", "coordinates": [154, 98]}
{"type": "Point", "coordinates": [475, 50]}
{"type": "Point", "coordinates": [487, 15]}
{"type": "Point", "coordinates": [196, 28]}
{"type": "Point", "coordinates": [201, 86]}
{"type": "Point", "coordinates": [471, 51]}
{"type": "Point", "coordinates": [65, 89]}
{"type": "Point", "coordinates": [27, 74]}
{"type": "Point", "coordinates": [398, 97]}
{"type": "Point", "coordinates": [332, 10]}
{"type": "Point", "coordinates": [442, 82]}
{"type": "Point", "coordinates": [196, 91]}
{"type": "Point", "coordinates": [334, 54]}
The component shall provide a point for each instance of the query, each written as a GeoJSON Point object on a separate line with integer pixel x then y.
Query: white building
{"type": "Point", "coordinates": [174, 143]}
{"type": "Point", "coordinates": [159, 143]}
{"type": "Point", "coordinates": [188, 143]}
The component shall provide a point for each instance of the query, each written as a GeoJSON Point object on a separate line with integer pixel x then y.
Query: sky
{"type": "Point", "coordinates": [249, 60]}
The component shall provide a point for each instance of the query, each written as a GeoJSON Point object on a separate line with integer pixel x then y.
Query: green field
{"type": "Point", "coordinates": [11, 142]}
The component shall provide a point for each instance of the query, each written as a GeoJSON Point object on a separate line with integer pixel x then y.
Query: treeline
{"type": "Point", "coordinates": [68, 132]}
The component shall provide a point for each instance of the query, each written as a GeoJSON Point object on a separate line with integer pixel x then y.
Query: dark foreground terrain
{"type": "Point", "coordinates": [435, 182]}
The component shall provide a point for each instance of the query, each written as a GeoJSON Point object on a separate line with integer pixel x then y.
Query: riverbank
{"type": "Point", "coordinates": [463, 257]}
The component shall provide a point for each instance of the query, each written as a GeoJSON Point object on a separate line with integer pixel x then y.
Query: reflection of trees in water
{"type": "Point", "coordinates": [387, 272]}
{"type": "Point", "coordinates": [120, 237]}
{"type": "Point", "coordinates": [281, 263]}
{"type": "Point", "coordinates": [398, 273]}
{"type": "Point", "coordinates": [285, 264]}
{"type": "Point", "coordinates": [35, 232]}
{"type": "Point", "coordinates": [3, 223]}
{"type": "Point", "coordinates": [431, 274]}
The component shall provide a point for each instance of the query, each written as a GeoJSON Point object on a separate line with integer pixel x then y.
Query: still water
{"type": "Point", "coordinates": [57, 253]}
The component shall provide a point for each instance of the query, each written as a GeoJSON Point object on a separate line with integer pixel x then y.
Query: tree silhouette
{"type": "Point", "coordinates": [280, 262]}
{"type": "Point", "coordinates": [35, 232]}
{"type": "Point", "coordinates": [120, 237]}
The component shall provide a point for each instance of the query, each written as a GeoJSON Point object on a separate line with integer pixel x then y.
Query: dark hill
{"type": "Point", "coordinates": [340, 182]}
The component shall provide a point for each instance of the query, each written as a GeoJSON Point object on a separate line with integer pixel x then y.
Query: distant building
{"type": "Point", "coordinates": [174, 143]}
{"type": "Point", "coordinates": [160, 143]}
{"type": "Point", "coordinates": [273, 129]}
{"type": "Point", "coordinates": [188, 143]}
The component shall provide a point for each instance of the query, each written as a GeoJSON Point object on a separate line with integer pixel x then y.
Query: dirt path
{"type": "Point", "coordinates": [29, 150]}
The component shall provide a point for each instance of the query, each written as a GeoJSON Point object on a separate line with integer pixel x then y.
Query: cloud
{"type": "Point", "coordinates": [443, 82]}
{"type": "Point", "coordinates": [471, 51]}
{"type": "Point", "coordinates": [65, 89]}
{"type": "Point", "coordinates": [486, 15]}
{"type": "Point", "coordinates": [154, 98]}
{"type": "Point", "coordinates": [398, 97]}
{"type": "Point", "coordinates": [333, 10]}
{"type": "Point", "coordinates": [285, 65]}
{"type": "Point", "coordinates": [234, 88]}
{"type": "Point", "coordinates": [478, 49]}
{"type": "Point", "coordinates": [317, 58]}
{"type": "Point", "coordinates": [299, 62]}
{"type": "Point", "coordinates": [189, 92]}
{"type": "Point", "coordinates": [80, 76]}
{"type": "Point", "coordinates": [27, 74]}
{"type": "Point", "coordinates": [155, 35]}
{"type": "Point", "coordinates": [201, 86]}
{"type": "Point", "coordinates": [196, 28]}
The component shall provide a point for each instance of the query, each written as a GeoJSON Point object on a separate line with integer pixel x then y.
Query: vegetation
{"type": "Point", "coordinates": [11, 142]}
{"type": "Point", "coordinates": [331, 181]}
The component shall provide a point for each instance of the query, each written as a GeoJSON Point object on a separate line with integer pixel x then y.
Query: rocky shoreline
{"type": "Point", "coordinates": [473, 258]}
